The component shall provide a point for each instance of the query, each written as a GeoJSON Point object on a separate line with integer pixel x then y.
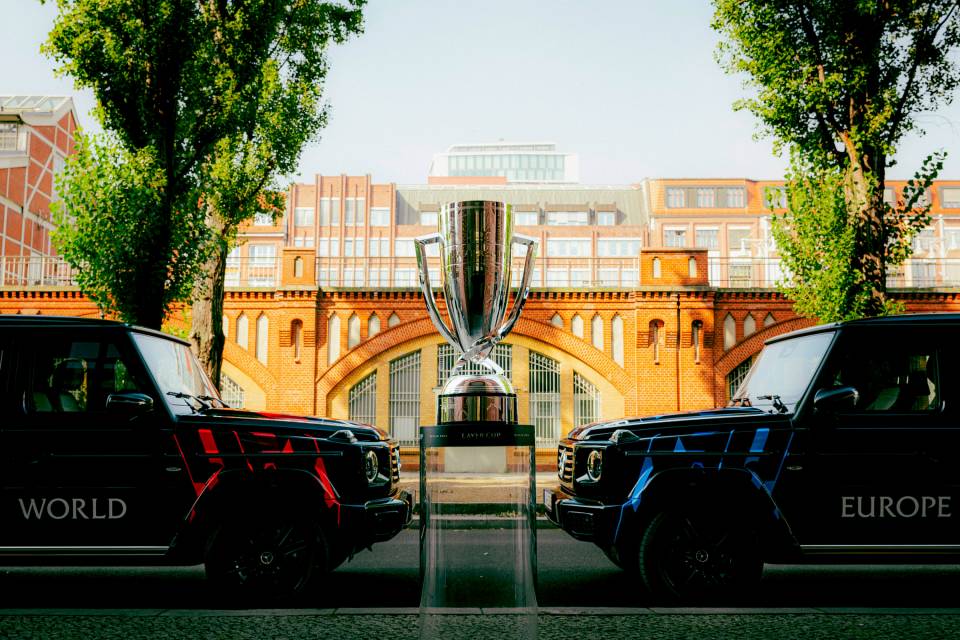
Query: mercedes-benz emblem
{"type": "Point", "coordinates": [562, 462]}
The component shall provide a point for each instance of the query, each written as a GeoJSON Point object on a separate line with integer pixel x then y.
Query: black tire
{"type": "Point", "coordinates": [265, 558]}
{"type": "Point", "coordinates": [699, 556]}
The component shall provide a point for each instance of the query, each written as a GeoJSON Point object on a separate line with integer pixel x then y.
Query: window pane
{"type": "Point", "coordinates": [363, 400]}
{"type": "Point", "coordinates": [544, 385]}
{"type": "Point", "coordinates": [405, 398]}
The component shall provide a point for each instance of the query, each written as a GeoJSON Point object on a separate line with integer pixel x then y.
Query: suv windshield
{"type": "Point", "coordinates": [783, 372]}
{"type": "Point", "coordinates": [175, 369]}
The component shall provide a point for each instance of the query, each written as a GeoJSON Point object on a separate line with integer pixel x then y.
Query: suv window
{"type": "Point", "coordinates": [783, 370]}
{"type": "Point", "coordinates": [75, 376]}
{"type": "Point", "coordinates": [900, 377]}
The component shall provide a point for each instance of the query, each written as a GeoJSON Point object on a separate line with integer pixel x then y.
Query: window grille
{"type": "Point", "coordinates": [447, 357]}
{"type": "Point", "coordinates": [363, 400]}
{"type": "Point", "coordinates": [405, 398]}
{"type": "Point", "coordinates": [735, 377]}
{"type": "Point", "coordinates": [586, 401]}
{"type": "Point", "coordinates": [231, 392]}
{"type": "Point", "coordinates": [545, 398]}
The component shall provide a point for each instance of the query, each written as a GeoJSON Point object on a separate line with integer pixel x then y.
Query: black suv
{"type": "Point", "coordinates": [116, 448]}
{"type": "Point", "coordinates": [842, 444]}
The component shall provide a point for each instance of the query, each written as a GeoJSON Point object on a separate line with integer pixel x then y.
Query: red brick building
{"type": "Point", "coordinates": [36, 136]}
{"type": "Point", "coordinates": [627, 315]}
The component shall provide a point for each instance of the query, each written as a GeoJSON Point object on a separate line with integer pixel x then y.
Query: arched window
{"type": "Point", "coordinates": [231, 392]}
{"type": "Point", "coordinates": [749, 325]}
{"type": "Point", "coordinates": [692, 267]}
{"type": "Point", "coordinates": [226, 325]}
{"type": "Point", "coordinates": [446, 357]}
{"type": "Point", "coordinates": [656, 267]}
{"type": "Point", "coordinates": [696, 339]}
{"type": "Point", "coordinates": [729, 332]}
{"type": "Point", "coordinates": [242, 330]}
{"type": "Point", "coordinates": [298, 267]}
{"type": "Point", "coordinates": [735, 377]}
{"type": "Point", "coordinates": [769, 320]}
{"type": "Point", "coordinates": [556, 320]}
{"type": "Point", "coordinates": [363, 400]}
{"type": "Point", "coordinates": [393, 320]}
{"type": "Point", "coordinates": [296, 338]}
{"type": "Point", "coordinates": [655, 338]}
{"type": "Point", "coordinates": [596, 331]}
{"type": "Point", "coordinates": [373, 325]}
{"type": "Point", "coordinates": [586, 401]}
{"type": "Point", "coordinates": [405, 398]}
{"type": "Point", "coordinates": [353, 331]}
{"type": "Point", "coordinates": [616, 339]}
{"type": "Point", "coordinates": [263, 329]}
{"type": "Point", "coordinates": [333, 338]}
{"type": "Point", "coordinates": [545, 398]}
{"type": "Point", "coordinates": [576, 325]}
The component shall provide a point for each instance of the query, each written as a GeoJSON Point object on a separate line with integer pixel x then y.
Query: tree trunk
{"type": "Point", "coordinates": [206, 317]}
{"type": "Point", "coordinates": [865, 202]}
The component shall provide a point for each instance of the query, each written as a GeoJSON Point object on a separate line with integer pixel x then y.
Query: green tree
{"type": "Point", "coordinates": [105, 189]}
{"type": "Point", "coordinates": [840, 84]}
{"type": "Point", "coordinates": [242, 180]}
{"type": "Point", "coordinates": [173, 79]}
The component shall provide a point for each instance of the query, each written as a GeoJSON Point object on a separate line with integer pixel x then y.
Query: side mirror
{"type": "Point", "coordinates": [130, 402]}
{"type": "Point", "coordinates": [836, 399]}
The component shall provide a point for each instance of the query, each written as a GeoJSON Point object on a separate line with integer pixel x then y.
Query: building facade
{"type": "Point", "coordinates": [36, 136]}
{"type": "Point", "coordinates": [648, 298]}
{"type": "Point", "coordinates": [513, 162]}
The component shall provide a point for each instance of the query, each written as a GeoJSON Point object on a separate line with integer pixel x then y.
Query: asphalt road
{"type": "Point", "coordinates": [571, 574]}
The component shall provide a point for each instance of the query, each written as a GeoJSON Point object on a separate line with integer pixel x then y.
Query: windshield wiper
{"type": "Point", "coordinates": [223, 405]}
{"type": "Point", "coordinates": [776, 401]}
{"type": "Point", "coordinates": [204, 405]}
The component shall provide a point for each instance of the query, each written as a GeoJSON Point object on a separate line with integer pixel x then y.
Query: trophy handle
{"type": "Point", "coordinates": [419, 245]}
{"type": "Point", "coordinates": [524, 289]}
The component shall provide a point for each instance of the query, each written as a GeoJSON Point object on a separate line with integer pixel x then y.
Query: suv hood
{"type": "Point", "coordinates": [242, 419]}
{"type": "Point", "coordinates": [677, 423]}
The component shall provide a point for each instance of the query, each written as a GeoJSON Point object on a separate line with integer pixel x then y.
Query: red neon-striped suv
{"type": "Point", "coordinates": [116, 448]}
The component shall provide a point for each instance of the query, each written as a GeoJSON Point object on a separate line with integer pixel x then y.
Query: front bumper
{"type": "Point", "coordinates": [583, 519]}
{"type": "Point", "coordinates": [378, 520]}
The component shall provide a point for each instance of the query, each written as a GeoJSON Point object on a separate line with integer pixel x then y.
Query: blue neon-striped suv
{"type": "Point", "coordinates": [841, 444]}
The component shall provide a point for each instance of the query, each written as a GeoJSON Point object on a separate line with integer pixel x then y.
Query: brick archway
{"type": "Point", "coordinates": [559, 338]}
{"type": "Point", "coordinates": [244, 360]}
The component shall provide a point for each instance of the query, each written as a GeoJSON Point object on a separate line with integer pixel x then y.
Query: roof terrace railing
{"type": "Point", "coordinates": [559, 273]}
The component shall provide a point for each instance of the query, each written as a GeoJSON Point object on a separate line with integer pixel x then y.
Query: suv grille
{"type": "Point", "coordinates": [394, 464]}
{"type": "Point", "coordinates": [565, 463]}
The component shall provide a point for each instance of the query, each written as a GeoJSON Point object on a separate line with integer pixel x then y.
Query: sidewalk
{"type": "Point", "coordinates": [480, 501]}
{"type": "Point", "coordinates": [560, 624]}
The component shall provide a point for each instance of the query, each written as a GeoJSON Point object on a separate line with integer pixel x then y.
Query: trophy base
{"type": "Point", "coordinates": [477, 398]}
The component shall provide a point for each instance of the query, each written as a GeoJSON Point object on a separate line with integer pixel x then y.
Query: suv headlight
{"type": "Point", "coordinates": [595, 465]}
{"type": "Point", "coordinates": [371, 465]}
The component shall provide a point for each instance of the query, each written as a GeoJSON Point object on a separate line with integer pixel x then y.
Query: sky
{"type": "Point", "coordinates": [631, 86]}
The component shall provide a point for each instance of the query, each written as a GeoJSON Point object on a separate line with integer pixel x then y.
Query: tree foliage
{"type": "Point", "coordinates": [101, 229]}
{"type": "Point", "coordinates": [182, 82]}
{"type": "Point", "coordinates": [839, 84]}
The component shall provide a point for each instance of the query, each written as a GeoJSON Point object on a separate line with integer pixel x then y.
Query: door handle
{"type": "Point", "coordinates": [794, 467]}
{"type": "Point", "coordinates": [174, 469]}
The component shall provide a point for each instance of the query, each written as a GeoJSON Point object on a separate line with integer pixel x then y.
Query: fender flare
{"type": "Point", "coordinates": [738, 490]}
{"type": "Point", "coordinates": [232, 492]}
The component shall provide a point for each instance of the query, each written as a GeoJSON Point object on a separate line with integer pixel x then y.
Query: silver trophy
{"type": "Point", "coordinates": [476, 253]}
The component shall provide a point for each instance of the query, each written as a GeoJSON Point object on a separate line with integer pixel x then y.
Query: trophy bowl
{"type": "Point", "coordinates": [476, 243]}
